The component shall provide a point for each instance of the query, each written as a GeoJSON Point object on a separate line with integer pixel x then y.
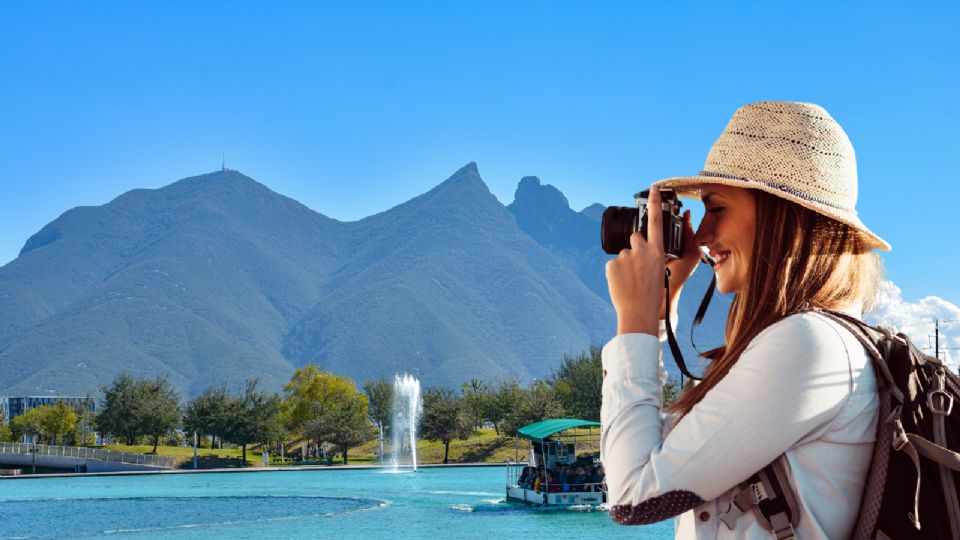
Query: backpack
{"type": "Point", "coordinates": [917, 439]}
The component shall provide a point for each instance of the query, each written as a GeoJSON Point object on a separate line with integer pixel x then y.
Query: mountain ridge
{"type": "Point", "coordinates": [216, 278]}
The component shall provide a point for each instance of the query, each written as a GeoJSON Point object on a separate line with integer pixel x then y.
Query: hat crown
{"type": "Point", "coordinates": [795, 151]}
{"type": "Point", "coordinates": [797, 148]}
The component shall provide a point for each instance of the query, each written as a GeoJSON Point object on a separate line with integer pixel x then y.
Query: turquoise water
{"type": "Point", "coordinates": [463, 502]}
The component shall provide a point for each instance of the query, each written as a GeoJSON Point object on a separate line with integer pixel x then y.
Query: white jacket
{"type": "Point", "coordinates": [804, 388]}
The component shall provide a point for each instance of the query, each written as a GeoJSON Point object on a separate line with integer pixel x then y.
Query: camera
{"type": "Point", "coordinates": [619, 222]}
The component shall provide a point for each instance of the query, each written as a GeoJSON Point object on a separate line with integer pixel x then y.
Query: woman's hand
{"type": "Point", "coordinates": [681, 269]}
{"type": "Point", "coordinates": [635, 277]}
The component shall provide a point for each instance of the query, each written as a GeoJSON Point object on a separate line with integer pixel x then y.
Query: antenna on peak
{"type": "Point", "coordinates": [223, 161]}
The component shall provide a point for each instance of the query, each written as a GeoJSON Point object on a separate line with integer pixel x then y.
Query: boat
{"type": "Point", "coordinates": [557, 448]}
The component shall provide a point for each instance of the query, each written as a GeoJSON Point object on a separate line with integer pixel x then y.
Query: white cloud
{"type": "Point", "coordinates": [915, 319]}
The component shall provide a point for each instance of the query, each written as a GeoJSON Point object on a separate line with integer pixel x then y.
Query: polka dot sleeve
{"type": "Point", "coordinates": [655, 509]}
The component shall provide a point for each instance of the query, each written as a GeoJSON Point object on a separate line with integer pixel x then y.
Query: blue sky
{"type": "Point", "coordinates": [352, 108]}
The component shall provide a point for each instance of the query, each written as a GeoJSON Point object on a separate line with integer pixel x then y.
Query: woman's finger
{"type": "Point", "coordinates": [655, 219]}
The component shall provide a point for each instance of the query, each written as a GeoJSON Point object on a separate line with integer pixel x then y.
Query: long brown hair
{"type": "Point", "coordinates": [800, 259]}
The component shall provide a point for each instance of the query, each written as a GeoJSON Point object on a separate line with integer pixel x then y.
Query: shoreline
{"type": "Point", "coordinates": [251, 470]}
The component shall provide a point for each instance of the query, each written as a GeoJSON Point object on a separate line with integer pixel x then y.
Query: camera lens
{"type": "Point", "coordinates": [618, 223]}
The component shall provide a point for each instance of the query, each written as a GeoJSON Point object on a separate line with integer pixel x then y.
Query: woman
{"type": "Point", "coordinates": [790, 385]}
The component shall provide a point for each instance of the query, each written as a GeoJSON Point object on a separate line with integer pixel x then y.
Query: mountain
{"type": "Point", "coordinates": [543, 212]}
{"type": "Point", "coordinates": [199, 280]}
{"type": "Point", "coordinates": [594, 211]}
{"type": "Point", "coordinates": [447, 287]}
{"type": "Point", "coordinates": [216, 278]}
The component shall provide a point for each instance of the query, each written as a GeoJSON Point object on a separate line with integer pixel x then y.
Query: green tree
{"type": "Point", "coordinates": [350, 425]}
{"type": "Point", "coordinates": [380, 403]}
{"type": "Point", "coordinates": [157, 410]}
{"type": "Point", "coordinates": [444, 418]}
{"type": "Point", "coordinates": [6, 435]}
{"type": "Point", "coordinates": [254, 417]}
{"type": "Point", "coordinates": [327, 407]}
{"type": "Point", "coordinates": [476, 395]}
{"type": "Point", "coordinates": [26, 423]}
{"type": "Point", "coordinates": [538, 402]}
{"type": "Point", "coordinates": [578, 384]}
{"type": "Point", "coordinates": [117, 416]}
{"type": "Point", "coordinates": [84, 427]}
{"type": "Point", "coordinates": [505, 401]}
{"type": "Point", "coordinates": [209, 413]}
{"type": "Point", "coordinates": [56, 420]}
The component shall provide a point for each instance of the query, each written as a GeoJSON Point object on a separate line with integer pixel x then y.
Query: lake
{"type": "Point", "coordinates": [456, 502]}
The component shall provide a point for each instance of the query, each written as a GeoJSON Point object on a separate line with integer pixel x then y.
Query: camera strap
{"type": "Point", "coordinates": [701, 311]}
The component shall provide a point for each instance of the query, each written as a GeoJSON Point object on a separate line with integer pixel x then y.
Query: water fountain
{"type": "Point", "coordinates": [406, 414]}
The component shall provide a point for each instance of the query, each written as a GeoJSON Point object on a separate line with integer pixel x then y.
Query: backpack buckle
{"type": "Point", "coordinates": [782, 528]}
{"type": "Point", "coordinates": [899, 435]}
{"type": "Point", "coordinates": [939, 383]}
{"type": "Point", "coordinates": [758, 492]}
{"type": "Point", "coordinates": [946, 402]}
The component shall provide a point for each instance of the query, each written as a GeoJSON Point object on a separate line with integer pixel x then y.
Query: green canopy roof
{"type": "Point", "coordinates": [539, 431]}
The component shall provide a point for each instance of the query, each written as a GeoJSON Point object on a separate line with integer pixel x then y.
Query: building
{"type": "Point", "coordinates": [15, 406]}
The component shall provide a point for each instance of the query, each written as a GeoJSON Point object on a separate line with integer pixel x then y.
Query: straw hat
{"type": "Point", "coordinates": [796, 151]}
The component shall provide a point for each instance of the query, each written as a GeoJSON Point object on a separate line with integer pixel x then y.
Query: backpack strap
{"type": "Point", "coordinates": [867, 336]}
{"type": "Point", "coordinates": [940, 404]}
{"type": "Point", "coordinates": [769, 496]}
{"type": "Point", "coordinates": [907, 443]}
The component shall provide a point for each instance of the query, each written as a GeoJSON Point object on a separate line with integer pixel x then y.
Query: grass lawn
{"type": "Point", "coordinates": [207, 457]}
{"type": "Point", "coordinates": [485, 446]}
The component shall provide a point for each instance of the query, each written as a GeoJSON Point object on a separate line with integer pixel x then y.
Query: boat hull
{"type": "Point", "coordinates": [529, 496]}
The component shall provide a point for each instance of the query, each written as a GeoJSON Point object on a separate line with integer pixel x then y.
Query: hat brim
{"type": "Point", "coordinates": [689, 186]}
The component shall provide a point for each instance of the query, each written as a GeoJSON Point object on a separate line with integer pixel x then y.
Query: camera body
{"type": "Point", "coordinates": [619, 222]}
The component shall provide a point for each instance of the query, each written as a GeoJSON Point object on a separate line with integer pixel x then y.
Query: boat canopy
{"type": "Point", "coordinates": [538, 431]}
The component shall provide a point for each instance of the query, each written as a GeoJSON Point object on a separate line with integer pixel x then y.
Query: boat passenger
{"type": "Point", "coordinates": [553, 484]}
{"type": "Point", "coordinates": [579, 479]}
{"type": "Point", "coordinates": [596, 479]}
{"type": "Point", "coordinates": [790, 386]}
{"type": "Point", "coordinates": [522, 481]}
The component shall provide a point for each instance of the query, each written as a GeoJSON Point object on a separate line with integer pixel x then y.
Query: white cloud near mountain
{"type": "Point", "coordinates": [916, 320]}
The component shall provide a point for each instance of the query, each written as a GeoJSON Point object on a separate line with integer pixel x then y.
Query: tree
{"type": "Point", "coordinates": [56, 420]}
{"type": "Point", "coordinates": [476, 395]}
{"type": "Point", "coordinates": [538, 402]}
{"type": "Point", "coordinates": [504, 403]}
{"type": "Point", "coordinates": [209, 413]}
{"type": "Point", "coordinates": [326, 406]}
{"type": "Point", "coordinates": [6, 435]}
{"type": "Point", "coordinates": [254, 418]}
{"type": "Point", "coordinates": [158, 408]}
{"type": "Point", "coordinates": [578, 384]}
{"type": "Point", "coordinates": [132, 408]}
{"type": "Point", "coordinates": [350, 425]}
{"type": "Point", "coordinates": [82, 429]}
{"type": "Point", "coordinates": [26, 423]}
{"type": "Point", "coordinates": [444, 418]}
{"type": "Point", "coordinates": [117, 415]}
{"type": "Point", "coordinates": [380, 401]}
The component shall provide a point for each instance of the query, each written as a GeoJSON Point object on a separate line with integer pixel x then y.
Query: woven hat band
{"type": "Point", "coordinates": [778, 186]}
